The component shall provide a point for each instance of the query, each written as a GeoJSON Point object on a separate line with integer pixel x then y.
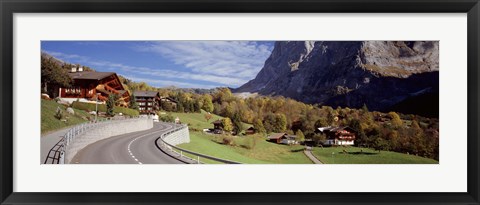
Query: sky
{"type": "Point", "coordinates": [184, 64]}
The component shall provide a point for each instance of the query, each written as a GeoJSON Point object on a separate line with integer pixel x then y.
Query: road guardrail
{"type": "Point", "coordinates": [180, 153]}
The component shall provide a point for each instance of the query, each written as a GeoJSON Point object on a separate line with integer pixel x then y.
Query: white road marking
{"type": "Point", "coordinates": [129, 144]}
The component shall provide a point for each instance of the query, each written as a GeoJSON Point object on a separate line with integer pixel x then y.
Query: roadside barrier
{"type": "Point", "coordinates": [167, 145]}
{"type": "Point", "coordinates": [63, 151]}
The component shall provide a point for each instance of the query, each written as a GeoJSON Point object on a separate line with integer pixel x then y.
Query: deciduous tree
{"type": "Point", "coordinates": [227, 124]}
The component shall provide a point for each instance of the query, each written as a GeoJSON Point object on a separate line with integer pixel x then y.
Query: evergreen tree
{"type": "Point", "coordinates": [133, 102]}
{"type": "Point", "coordinates": [361, 138]}
{"type": "Point", "coordinates": [111, 104]}
{"type": "Point", "coordinates": [237, 124]}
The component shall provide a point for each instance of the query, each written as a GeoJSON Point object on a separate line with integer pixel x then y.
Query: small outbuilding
{"type": "Point", "coordinates": [250, 131]}
{"type": "Point", "coordinates": [217, 126]}
{"type": "Point", "coordinates": [282, 138]}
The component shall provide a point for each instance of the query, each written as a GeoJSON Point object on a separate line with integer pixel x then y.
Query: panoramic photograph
{"type": "Point", "coordinates": [239, 102]}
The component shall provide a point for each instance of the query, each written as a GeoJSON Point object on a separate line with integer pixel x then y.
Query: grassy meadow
{"type": "Point", "coordinates": [262, 152]}
{"type": "Point", "coordinates": [250, 149]}
{"type": "Point", "coordinates": [50, 123]}
{"type": "Point", "coordinates": [254, 149]}
{"type": "Point", "coordinates": [356, 155]}
{"type": "Point", "coordinates": [197, 121]}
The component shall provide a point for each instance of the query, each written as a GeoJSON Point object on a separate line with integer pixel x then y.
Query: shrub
{"type": "Point", "coordinates": [102, 108]}
{"type": "Point", "coordinates": [228, 140]}
{"type": "Point", "coordinates": [59, 113]}
{"type": "Point", "coordinates": [167, 118]}
{"type": "Point", "coordinates": [111, 104]}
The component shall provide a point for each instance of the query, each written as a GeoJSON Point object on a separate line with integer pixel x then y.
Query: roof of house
{"type": "Point", "coordinates": [334, 129]}
{"type": "Point", "coordinates": [169, 99]}
{"type": "Point", "coordinates": [276, 135]}
{"type": "Point", "coordinates": [121, 92]}
{"type": "Point", "coordinates": [217, 122]}
{"type": "Point", "coordinates": [90, 75]}
{"type": "Point", "coordinates": [141, 93]}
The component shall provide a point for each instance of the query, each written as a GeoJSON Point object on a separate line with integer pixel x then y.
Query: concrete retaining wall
{"type": "Point", "coordinates": [178, 137]}
{"type": "Point", "coordinates": [167, 143]}
{"type": "Point", "coordinates": [109, 129]}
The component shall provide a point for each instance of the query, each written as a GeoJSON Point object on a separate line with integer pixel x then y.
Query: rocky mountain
{"type": "Point", "coordinates": [384, 75]}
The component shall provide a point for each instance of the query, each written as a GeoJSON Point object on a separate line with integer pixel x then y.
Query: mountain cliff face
{"type": "Point", "coordinates": [380, 74]}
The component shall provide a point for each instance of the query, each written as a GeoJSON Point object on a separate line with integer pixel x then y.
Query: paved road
{"type": "Point", "coordinates": [312, 157]}
{"type": "Point", "coordinates": [132, 148]}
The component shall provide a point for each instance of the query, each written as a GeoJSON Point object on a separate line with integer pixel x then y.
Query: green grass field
{"type": "Point", "coordinates": [197, 120]}
{"type": "Point", "coordinates": [269, 153]}
{"type": "Point", "coordinates": [262, 153]}
{"type": "Point", "coordinates": [50, 123]}
{"type": "Point", "coordinates": [358, 155]}
{"type": "Point", "coordinates": [103, 108]}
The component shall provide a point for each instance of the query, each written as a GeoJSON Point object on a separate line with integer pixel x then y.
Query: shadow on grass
{"type": "Point", "coordinates": [297, 150]}
{"type": "Point", "coordinates": [361, 153]}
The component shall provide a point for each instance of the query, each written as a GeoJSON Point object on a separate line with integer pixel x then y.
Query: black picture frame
{"type": "Point", "coordinates": [10, 7]}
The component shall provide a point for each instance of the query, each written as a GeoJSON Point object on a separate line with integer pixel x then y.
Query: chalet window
{"type": "Point", "coordinates": [149, 108]}
{"type": "Point", "coordinates": [149, 104]}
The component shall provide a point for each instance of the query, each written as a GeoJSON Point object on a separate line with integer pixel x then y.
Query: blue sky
{"type": "Point", "coordinates": [185, 64]}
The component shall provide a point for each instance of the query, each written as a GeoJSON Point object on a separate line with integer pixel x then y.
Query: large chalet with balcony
{"type": "Point", "coordinates": [148, 101]}
{"type": "Point", "coordinates": [338, 136]}
{"type": "Point", "coordinates": [94, 86]}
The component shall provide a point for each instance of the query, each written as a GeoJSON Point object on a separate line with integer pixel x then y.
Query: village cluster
{"type": "Point", "coordinates": [95, 87]}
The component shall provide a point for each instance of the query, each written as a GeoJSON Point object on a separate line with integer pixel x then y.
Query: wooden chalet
{"type": "Point", "coordinates": [338, 135]}
{"type": "Point", "coordinates": [282, 138]}
{"type": "Point", "coordinates": [250, 131]}
{"type": "Point", "coordinates": [217, 124]}
{"type": "Point", "coordinates": [148, 101]}
{"type": "Point", "coordinates": [168, 101]}
{"type": "Point", "coordinates": [91, 85]}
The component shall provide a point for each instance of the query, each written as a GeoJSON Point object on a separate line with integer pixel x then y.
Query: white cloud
{"type": "Point", "coordinates": [168, 76]}
{"type": "Point", "coordinates": [67, 56]}
{"type": "Point", "coordinates": [237, 59]}
{"type": "Point", "coordinates": [166, 83]}
{"type": "Point", "coordinates": [224, 63]}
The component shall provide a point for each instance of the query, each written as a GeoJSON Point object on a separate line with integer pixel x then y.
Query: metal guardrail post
{"type": "Point", "coordinates": [62, 158]}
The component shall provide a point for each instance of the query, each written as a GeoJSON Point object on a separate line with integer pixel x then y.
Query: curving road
{"type": "Point", "coordinates": [131, 148]}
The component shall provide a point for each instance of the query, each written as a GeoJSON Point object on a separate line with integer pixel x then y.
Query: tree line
{"type": "Point", "coordinates": [392, 131]}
